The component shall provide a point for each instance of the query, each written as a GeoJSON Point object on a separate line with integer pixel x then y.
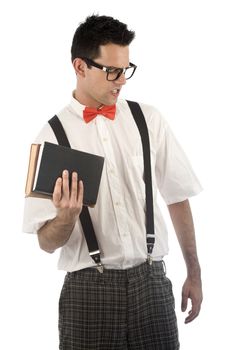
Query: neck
{"type": "Point", "coordinates": [84, 100]}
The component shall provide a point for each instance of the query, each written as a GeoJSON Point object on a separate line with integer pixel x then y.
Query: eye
{"type": "Point", "coordinates": [114, 70]}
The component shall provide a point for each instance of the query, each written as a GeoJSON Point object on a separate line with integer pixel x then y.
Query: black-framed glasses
{"type": "Point", "coordinates": [113, 73]}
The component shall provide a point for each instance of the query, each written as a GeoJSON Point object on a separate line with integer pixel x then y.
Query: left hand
{"type": "Point", "coordinates": [192, 289]}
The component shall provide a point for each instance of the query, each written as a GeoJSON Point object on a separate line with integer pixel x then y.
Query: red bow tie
{"type": "Point", "coordinates": [91, 113]}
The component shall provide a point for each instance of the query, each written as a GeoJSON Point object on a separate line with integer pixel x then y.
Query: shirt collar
{"type": "Point", "coordinates": [77, 106]}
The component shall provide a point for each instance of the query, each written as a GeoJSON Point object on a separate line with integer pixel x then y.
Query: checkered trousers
{"type": "Point", "coordinates": [118, 310]}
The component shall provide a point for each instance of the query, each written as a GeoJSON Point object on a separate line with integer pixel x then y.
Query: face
{"type": "Point", "coordinates": [93, 89]}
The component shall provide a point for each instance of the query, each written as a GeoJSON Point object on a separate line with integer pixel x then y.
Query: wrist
{"type": "Point", "coordinates": [194, 272]}
{"type": "Point", "coordinates": [66, 217]}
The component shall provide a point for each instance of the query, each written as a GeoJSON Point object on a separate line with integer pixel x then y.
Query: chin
{"type": "Point", "coordinates": [113, 100]}
{"type": "Point", "coordinates": [109, 100]}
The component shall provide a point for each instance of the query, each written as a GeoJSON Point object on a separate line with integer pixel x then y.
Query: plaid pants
{"type": "Point", "coordinates": [118, 310]}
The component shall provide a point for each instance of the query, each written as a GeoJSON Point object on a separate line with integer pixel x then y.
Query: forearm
{"type": "Point", "coordinates": [68, 201]}
{"type": "Point", "coordinates": [55, 233]}
{"type": "Point", "coordinates": [182, 220]}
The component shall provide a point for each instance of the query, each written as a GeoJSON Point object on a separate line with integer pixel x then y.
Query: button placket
{"type": "Point", "coordinates": [114, 181]}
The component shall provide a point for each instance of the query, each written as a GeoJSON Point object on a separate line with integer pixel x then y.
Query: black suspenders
{"type": "Point", "coordinates": [142, 127]}
{"type": "Point", "coordinates": [85, 218]}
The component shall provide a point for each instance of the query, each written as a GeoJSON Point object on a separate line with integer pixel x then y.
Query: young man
{"type": "Point", "coordinates": [130, 304]}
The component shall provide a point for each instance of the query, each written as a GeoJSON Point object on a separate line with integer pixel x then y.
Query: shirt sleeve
{"type": "Point", "coordinates": [175, 177]}
{"type": "Point", "coordinates": [38, 211]}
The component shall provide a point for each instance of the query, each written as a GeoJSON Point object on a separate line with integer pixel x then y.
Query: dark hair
{"type": "Point", "coordinates": [99, 30]}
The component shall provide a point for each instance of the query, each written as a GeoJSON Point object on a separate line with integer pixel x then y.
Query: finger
{"type": "Point", "coordinates": [74, 187]}
{"type": "Point", "coordinates": [193, 313]}
{"type": "Point", "coordinates": [57, 192]}
{"type": "Point", "coordinates": [80, 194]}
{"type": "Point", "coordinates": [65, 184]}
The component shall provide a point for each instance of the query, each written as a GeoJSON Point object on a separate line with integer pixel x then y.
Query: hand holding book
{"type": "Point", "coordinates": [47, 163]}
{"type": "Point", "coordinates": [67, 196]}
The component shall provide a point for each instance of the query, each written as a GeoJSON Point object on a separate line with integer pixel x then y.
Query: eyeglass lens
{"type": "Point", "coordinates": [116, 73]}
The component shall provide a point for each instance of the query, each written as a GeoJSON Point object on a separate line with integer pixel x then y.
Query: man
{"type": "Point", "coordinates": [130, 304]}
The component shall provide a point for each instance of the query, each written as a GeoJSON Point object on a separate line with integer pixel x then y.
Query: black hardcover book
{"type": "Point", "coordinates": [47, 163]}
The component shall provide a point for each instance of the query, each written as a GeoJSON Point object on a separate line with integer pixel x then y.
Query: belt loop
{"type": "Point", "coordinates": [164, 267]}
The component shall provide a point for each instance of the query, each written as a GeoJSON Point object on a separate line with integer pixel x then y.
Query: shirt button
{"type": "Point", "coordinates": [117, 204]}
{"type": "Point", "coordinates": [105, 139]}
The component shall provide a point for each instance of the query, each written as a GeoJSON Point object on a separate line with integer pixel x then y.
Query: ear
{"type": "Point", "coordinates": [79, 67]}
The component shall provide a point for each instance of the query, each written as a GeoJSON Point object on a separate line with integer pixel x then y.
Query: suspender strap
{"type": "Point", "coordinates": [59, 131]}
{"type": "Point", "coordinates": [85, 218]}
{"type": "Point", "coordinates": [142, 127]}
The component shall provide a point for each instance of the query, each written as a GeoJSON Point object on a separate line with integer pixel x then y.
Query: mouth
{"type": "Point", "coordinates": [115, 92]}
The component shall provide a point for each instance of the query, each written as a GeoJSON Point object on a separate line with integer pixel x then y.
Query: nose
{"type": "Point", "coordinates": [121, 80]}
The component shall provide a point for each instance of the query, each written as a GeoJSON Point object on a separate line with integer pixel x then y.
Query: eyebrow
{"type": "Point", "coordinates": [113, 67]}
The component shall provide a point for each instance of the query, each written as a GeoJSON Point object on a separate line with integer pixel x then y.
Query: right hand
{"type": "Point", "coordinates": [68, 201]}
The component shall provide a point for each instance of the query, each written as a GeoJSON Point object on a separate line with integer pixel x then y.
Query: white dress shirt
{"type": "Point", "coordinates": [119, 215]}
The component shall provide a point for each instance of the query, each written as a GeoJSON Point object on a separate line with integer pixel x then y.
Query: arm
{"type": "Point", "coordinates": [55, 233]}
{"type": "Point", "coordinates": [182, 220]}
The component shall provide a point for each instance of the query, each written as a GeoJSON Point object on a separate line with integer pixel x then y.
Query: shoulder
{"type": "Point", "coordinates": [153, 117]}
{"type": "Point", "coordinates": [150, 112]}
{"type": "Point", "coordinates": [46, 133]}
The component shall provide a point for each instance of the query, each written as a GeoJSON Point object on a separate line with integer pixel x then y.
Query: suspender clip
{"type": "Point", "coordinates": [100, 268]}
{"type": "Point", "coordinates": [150, 247]}
{"type": "Point", "coordinates": [96, 257]}
{"type": "Point", "coordinates": [149, 259]}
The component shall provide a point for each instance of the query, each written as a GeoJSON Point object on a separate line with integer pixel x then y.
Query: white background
{"type": "Point", "coordinates": [183, 50]}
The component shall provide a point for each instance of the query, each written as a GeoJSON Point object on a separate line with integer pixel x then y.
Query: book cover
{"type": "Point", "coordinates": [46, 163]}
